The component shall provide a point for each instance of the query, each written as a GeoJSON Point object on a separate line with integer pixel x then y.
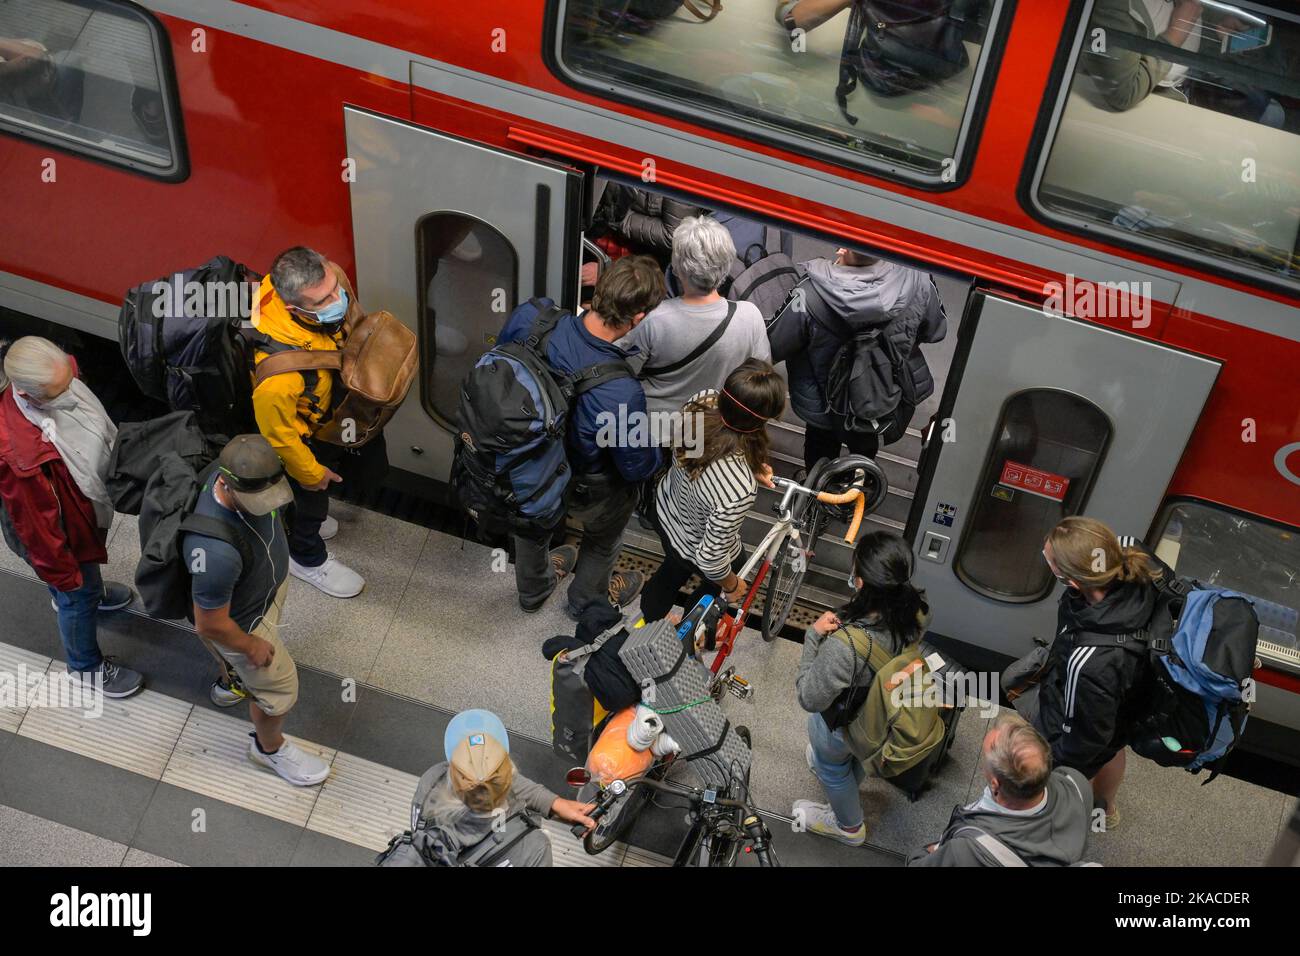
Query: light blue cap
{"type": "Point", "coordinates": [470, 722]}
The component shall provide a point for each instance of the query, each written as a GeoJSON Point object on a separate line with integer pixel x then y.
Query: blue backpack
{"type": "Point", "coordinates": [510, 468]}
{"type": "Point", "coordinates": [1201, 644]}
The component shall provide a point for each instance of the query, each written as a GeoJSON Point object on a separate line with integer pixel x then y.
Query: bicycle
{"type": "Point", "coordinates": [721, 826]}
{"type": "Point", "coordinates": [787, 546]}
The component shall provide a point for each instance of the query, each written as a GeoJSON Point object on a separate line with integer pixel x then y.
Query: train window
{"type": "Point", "coordinates": [468, 274]}
{"type": "Point", "coordinates": [1255, 557]}
{"type": "Point", "coordinates": [1047, 450]}
{"type": "Point", "coordinates": [1180, 131]}
{"type": "Point", "coordinates": [88, 75]}
{"type": "Point", "coordinates": [887, 85]}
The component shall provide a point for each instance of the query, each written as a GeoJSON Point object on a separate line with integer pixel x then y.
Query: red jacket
{"type": "Point", "coordinates": [53, 522]}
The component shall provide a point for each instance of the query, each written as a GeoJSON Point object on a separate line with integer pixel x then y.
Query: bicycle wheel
{"type": "Point", "coordinates": [787, 576]}
{"type": "Point", "coordinates": [615, 823]}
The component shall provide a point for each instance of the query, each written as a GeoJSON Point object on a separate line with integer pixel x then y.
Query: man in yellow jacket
{"type": "Point", "coordinates": [305, 302]}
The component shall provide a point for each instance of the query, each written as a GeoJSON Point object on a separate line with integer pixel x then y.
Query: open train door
{"type": "Point", "coordinates": [1043, 416]}
{"type": "Point", "coordinates": [450, 235]}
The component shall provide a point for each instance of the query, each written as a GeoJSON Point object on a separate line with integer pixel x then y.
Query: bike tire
{"type": "Point", "coordinates": [611, 827]}
{"type": "Point", "coordinates": [782, 587]}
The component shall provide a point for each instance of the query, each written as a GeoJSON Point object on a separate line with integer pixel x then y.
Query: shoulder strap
{"type": "Point", "coordinates": [548, 317]}
{"type": "Point", "coordinates": [696, 352]}
{"type": "Point", "coordinates": [297, 360]}
{"type": "Point", "coordinates": [597, 643]}
{"type": "Point", "coordinates": [992, 846]}
{"type": "Point", "coordinates": [584, 380]}
{"type": "Point", "coordinates": [489, 850]}
{"type": "Point", "coordinates": [211, 527]}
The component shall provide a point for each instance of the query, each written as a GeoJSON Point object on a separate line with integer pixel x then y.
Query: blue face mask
{"type": "Point", "coordinates": [331, 314]}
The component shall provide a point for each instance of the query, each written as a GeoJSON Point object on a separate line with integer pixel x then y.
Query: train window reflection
{"type": "Point", "coordinates": [1047, 450]}
{"type": "Point", "coordinates": [1180, 131]}
{"type": "Point", "coordinates": [1261, 560]}
{"type": "Point", "coordinates": [887, 84]}
{"type": "Point", "coordinates": [468, 275]}
{"type": "Point", "coordinates": [87, 75]}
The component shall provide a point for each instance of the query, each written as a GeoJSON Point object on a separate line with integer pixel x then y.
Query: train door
{"type": "Point", "coordinates": [1043, 416]}
{"type": "Point", "coordinates": [450, 235]}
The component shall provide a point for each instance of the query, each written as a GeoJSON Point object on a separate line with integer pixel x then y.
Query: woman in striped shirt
{"type": "Point", "coordinates": [701, 502]}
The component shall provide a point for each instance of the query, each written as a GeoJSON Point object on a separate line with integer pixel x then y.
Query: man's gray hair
{"type": "Point", "coordinates": [296, 269]}
{"type": "Point", "coordinates": [31, 364]}
{"type": "Point", "coordinates": [1020, 759]}
{"type": "Point", "coordinates": [703, 254]}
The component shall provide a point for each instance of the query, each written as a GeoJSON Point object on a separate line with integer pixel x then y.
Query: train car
{"type": "Point", "coordinates": [1111, 187]}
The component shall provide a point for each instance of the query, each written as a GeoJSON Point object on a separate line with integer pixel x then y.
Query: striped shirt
{"type": "Point", "coordinates": [702, 517]}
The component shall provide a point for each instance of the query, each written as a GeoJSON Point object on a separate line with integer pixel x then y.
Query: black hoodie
{"type": "Point", "coordinates": [1088, 702]}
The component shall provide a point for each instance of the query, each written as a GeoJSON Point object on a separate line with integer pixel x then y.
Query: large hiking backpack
{"type": "Point", "coordinates": [907, 718]}
{"type": "Point", "coordinates": [162, 575]}
{"type": "Point", "coordinates": [373, 372]}
{"type": "Point", "coordinates": [510, 468]}
{"type": "Point", "coordinates": [869, 386]}
{"type": "Point", "coordinates": [1201, 643]}
{"type": "Point", "coordinates": [900, 46]}
{"type": "Point", "coordinates": [180, 338]}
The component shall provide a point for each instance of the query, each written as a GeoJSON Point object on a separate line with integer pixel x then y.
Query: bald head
{"type": "Point", "coordinates": [1017, 762]}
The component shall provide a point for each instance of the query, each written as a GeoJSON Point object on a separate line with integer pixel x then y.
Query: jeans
{"type": "Point", "coordinates": [604, 514]}
{"type": "Point", "coordinates": [77, 620]}
{"type": "Point", "coordinates": [819, 443]}
{"type": "Point", "coordinates": [838, 770]}
{"type": "Point", "coordinates": [661, 591]}
{"type": "Point", "coordinates": [307, 514]}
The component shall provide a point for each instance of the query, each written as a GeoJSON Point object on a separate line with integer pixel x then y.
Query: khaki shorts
{"type": "Point", "coordinates": [274, 689]}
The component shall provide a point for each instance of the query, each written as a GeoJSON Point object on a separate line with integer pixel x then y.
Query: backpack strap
{"type": "Point", "coordinates": [492, 848]}
{"type": "Point", "coordinates": [696, 352]}
{"type": "Point", "coordinates": [597, 643]}
{"type": "Point", "coordinates": [292, 359]}
{"type": "Point", "coordinates": [584, 380]}
{"type": "Point", "coordinates": [548, 317]}
{"type": "Point", "coordinates": [992, 846]}
{"type": "Point", "coordinates": [221, 531]}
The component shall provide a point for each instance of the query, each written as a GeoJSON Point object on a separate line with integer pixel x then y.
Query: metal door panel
{"type": "Point", "coordinates": [407, 175]}
{"type": "Point", "coordinates": [1152, 395]}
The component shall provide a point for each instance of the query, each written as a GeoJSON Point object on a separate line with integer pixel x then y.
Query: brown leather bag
{"type": "Point", "coordinates": [374, 370]}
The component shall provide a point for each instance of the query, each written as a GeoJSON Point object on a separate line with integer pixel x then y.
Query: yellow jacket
{"type": "Point", "coordinates": [288, 411]}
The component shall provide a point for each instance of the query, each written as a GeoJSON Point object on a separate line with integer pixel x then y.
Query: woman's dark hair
{"type": "Point", "coordinates": [884, 563]}
{"type": "Point", "coordinates": [734, 421]}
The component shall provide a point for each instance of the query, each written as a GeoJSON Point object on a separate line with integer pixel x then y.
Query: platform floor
{"type": "Point", "coordinates": [438, 629]}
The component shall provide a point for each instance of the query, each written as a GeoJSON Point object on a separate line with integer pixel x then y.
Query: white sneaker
{"type": "Point", "coordinates": [329, 528]}
{"type": "Point", "coordinates": [335, 579]}
{"type": "Point", "coordinates": [820, 818]}
{"type": "Point", "coordinates": [293, 764]}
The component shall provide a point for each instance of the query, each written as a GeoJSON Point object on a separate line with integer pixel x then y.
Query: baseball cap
{"type": "Point", "coordinates": [478, 749]}
{"type": "Point", "coordinates": [254, 475]}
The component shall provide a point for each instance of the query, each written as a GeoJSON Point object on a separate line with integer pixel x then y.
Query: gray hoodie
{"type": "Point", "coordinates": [864, 297]}
{"type": "Point", "coordinates": [1055, 835]}
{"type": "Point", "coordinates": [444, 808]}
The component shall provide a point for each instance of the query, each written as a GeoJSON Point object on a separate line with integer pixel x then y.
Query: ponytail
{"type": "Point", "coordinates": [1088, 552]}
{"type": "Point", "coordinates": [883, 561]}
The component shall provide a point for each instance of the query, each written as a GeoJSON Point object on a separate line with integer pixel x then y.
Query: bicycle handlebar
{"type": "Point", "coordinates": [859, 508]}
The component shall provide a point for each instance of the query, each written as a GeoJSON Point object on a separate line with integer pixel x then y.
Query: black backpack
{"type": "Point", "coordinates": [900, 46]}
{"type": "Point", "coordinates": [869, 387]}
{"type": "Point", "coordinates": [162, 575]}
{"type": "Point", "coordinates": [187, 349]}
{"type": "Point", "coordinates": [510, 468]}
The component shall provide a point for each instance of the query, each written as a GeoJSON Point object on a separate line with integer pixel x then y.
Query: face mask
{"type": "Point", "coordinates": [331, 314]}
{"type": "Point", "coordinates": [63, 402]}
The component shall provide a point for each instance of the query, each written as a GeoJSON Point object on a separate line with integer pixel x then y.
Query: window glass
{"type": "Point", "coordinates": [1048, 448]}
{"type": "Point", "coordinates": [1248, 555]}
{"type": "Point", "coordinates": [463, 263]}
{"type": "Point", "coordinates": [1180, 130]}
{"type": "Point", "coordinates": [85, 75]}
{"type": "Point", "coordinates": [885, 83]}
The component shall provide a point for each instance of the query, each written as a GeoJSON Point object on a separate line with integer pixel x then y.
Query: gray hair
{"type": "Point", "coordinates": [296, 269]}
{"type": "Point", "coordinates": [1019, 759]}
{"type": "Point", "coordinates": [31, 364]}
{"type": "Point", "coordinates": [703, 253]}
